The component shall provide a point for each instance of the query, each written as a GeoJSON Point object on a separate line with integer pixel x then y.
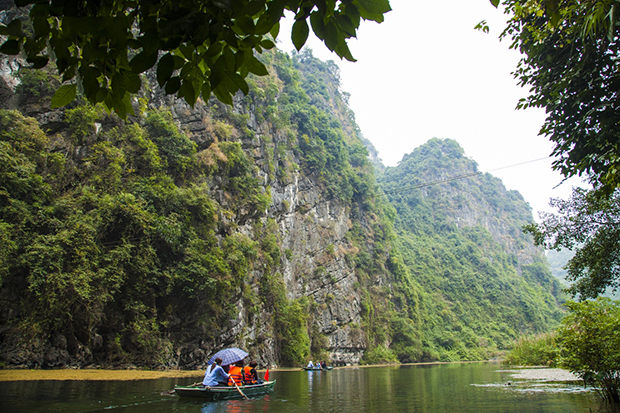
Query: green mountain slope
{"type": "Point", "coordinates": [482, 282]}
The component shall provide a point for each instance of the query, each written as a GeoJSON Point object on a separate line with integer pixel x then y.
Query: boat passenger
{"type": "Point", "coordinates": [250, 376]}
{"type": "Point", "coordinates": [323, 364]}
{"type": "Point", "coordinates": [215, 375]}
{"type": "Point", "coordinates": [235, 374]}
{"type": "Point", "coordinates": [209, 367]}
{"type": "Point", "coordinates": [310, 365]}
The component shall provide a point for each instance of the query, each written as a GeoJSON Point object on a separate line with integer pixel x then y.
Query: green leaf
{"type": "Point", "coordinates": [206, 91]}
{"type": "Point", "coordinates": [134, 44]}
{"type": "Point", "coordinates": [246, 24]}
{"type": "Point", "coordinates": [118, 86]}
{"type": "Point", "coordinates": [318, 26]}
{"type": "Point", "coordinates": [268, 44]}
{"type": "Point", "coordinates": [217, 74]}
{"type": "Point", "coordinates": [275, 30]}
{"type": "Point", "coordinates": [41, 26]}
{"type": "Point", "coordinates": [10, 47]}
{"type": "Point", "coordinates": [495, 3]}
{"type": "Point", "coordinates": [373, 9]}
{"type": "Point", "coordinates": [14, 28]}
{"type": "Point", "coordinates": [239, 82]}
{"type": "Point", "coordinates": [186, 91]}
{"type": "Point", "coordinates": [128, 105]}
{"type": "Point", "coordinates": [38, 61]}
{"type": "Point", "coordinates": [223, 95]}
{"type": "Point", "coordinates": [173, 85]}
{"type": "Point", "coordinates": [63, 96]}
{"type": "Point", "coordinates": [90, 83]}
{"type": "Point", "coordinates": [253, 8]}
{"type": "Point", "coordinates": [143, 62]}
{"type": "Point", "coordinates": [23, 3]}
{"type": "Point", "coordinates": [179, 62]}
{"type": "Point", "coordinates": [333, 38]}
{"type": "Point", "coordinates": [214, 49]}
{"type": "Point", "coordinates": [299, 34]}
{"type": "Point", "coordinates": [256, 66]}
{"type": "Point", "coordinates": [343, 51]}
{"type": "Point", "coordinates": [186, 51]}
{"type": "Point", "coordinates": [102, 95]}
{"type": "Point", "coordinates": [119, 107]}
{"type": "Point", "coordinates": [346, 25]}
{"type": "Point", "coordinates": [377, 6]}
{"type": "Point", "coordinates": [165, 68]}
{"type": "Point", "coordinates": [265, 24]}
{"type": "Point", "coordinates": [133, 83]}
{"type": "Point", "coordinates": [227, 58]}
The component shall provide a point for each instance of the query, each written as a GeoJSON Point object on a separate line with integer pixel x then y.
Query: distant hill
{"type": "Point", "coordinates": [558, 260]}
{"type": "Point", "coordinates": [480, 281]}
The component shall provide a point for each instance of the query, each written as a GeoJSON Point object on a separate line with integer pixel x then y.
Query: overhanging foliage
{"type": "Point", "coordinates": [571, 66]}
{"type": "Point", "coordinates": [198, 46]}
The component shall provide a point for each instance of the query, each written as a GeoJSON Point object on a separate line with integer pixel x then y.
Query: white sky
{"type": "Point", "coordinates": [425, 72]}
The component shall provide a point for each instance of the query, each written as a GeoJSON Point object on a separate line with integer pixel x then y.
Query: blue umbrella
{"type": "Point", "coordinates": [229, 355]}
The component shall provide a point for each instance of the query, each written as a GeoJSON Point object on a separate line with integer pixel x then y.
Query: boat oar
{"type": "Point", "coordinates": [246, 397]}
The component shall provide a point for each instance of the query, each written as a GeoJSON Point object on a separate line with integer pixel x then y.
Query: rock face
{"type": "Point", "coordinates": [312, 233]}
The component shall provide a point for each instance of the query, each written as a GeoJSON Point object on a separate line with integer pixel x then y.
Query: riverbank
{"type": "Point", "coordinates": [134, 373]}
{"type": "Point", "coordinates": [103, 374]}
{"type": "Point", "coordinates": [95, 374]}
{"type": "Point", "coordinates": [542, 374]}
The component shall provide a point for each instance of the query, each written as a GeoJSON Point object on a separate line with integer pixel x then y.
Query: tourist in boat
{"type": "Point", "coordinates": [250, 376]}
{"type": "Point", "coordinates": [235, 374]}
{"type": "Point", "coordinates": [215, 374]}
{"type": "Point", "coordinates": [323, 364]}
{"type": "Point", "coordinates": [310, 365]}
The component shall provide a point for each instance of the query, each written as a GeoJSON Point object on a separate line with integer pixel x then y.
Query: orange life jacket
{"type": "Point", "coordinates": [236, 374]}
{"type": "Point", "coordinates": [248, 377]}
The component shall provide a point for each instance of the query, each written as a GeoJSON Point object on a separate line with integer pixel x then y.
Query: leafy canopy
{"type": "Point", "coordinates": [589, 224]}
{"type": "Point", "coordinates": [570, 64]}
{"type": "Point", "coordinates": [198, 46]}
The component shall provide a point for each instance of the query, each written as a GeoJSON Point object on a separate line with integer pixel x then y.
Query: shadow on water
{"type": "Point", "coordinates": [475, 388]}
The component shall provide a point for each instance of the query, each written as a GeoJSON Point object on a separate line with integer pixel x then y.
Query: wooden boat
{"type": "Point", "coordinates": [224, 392]}
{"type": "Point", "coordinates": [318, 368]}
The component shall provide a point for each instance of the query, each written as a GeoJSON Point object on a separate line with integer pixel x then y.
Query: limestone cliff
{"type": "Point", "coordinates": [305, 208]}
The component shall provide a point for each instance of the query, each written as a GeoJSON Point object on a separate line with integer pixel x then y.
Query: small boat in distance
{"type": "Point", "coordinates": [318, 368]}
{"type": "Point", "coordinates": [224, 392]}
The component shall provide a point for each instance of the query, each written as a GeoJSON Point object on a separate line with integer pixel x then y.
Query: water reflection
{"type": "Point", "coordinates": [467, 388]}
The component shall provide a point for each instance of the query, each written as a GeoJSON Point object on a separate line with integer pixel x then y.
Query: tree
{"type": "Point", "coordinates": [571, 65]}
{"type": "Point", "coordinates": [590, 342]}
{"type": "Point", "coordinates": [590, 224]}
{"type": "Point", "coordinates": [199, 46]}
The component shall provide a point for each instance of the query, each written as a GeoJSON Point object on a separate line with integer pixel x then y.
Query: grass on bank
{"type": "Point", "coordinates": [539, 350]}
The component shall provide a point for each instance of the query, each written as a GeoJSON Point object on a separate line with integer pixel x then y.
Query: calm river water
{"type": "Point", "coordinates": [471, 387]}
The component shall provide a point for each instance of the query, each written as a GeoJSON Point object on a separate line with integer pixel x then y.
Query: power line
{"type": "Point", "coordinates": [455, 178]}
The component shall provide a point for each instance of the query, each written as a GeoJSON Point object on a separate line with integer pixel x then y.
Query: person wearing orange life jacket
{"type": "Point", "coordinates": [235, 374]}
{"type": "Point", "coordinates": [250, 376]}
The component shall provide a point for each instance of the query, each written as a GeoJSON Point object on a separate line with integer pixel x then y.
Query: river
{"type": "Point", "coordinates": [459, 387]}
